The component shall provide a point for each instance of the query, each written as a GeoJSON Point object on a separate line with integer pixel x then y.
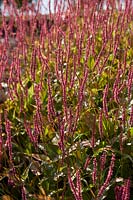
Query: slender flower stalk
{"type": "Point", "coordinates": [9, 142]}
{"type": "Point", "coordinates": [87, 162]}
{"type": "Point", "coordinates": [78, 184]}
{"type": "Point", "coordinates": [130, 83]}
{"type": "Point", "coordinates": [37, 121]}
{"type": "Point", "coordinates": [64, 96]}
{"type": "Point", "coordinates": [62, 136]}
{"type": "Point", "coordinates": [93, 139]}
{"type": "Point", "coordinates": [94, 173]}
{"type": "Point", "coordinates": [29, 131]}
{"type": "Point", "coordinates": [23, 193]}
{"type": "Point", "coordinates": [33, 64]}
{"type": "Point", "coordinates": [72, 186]}
{"type": "Point", "coordinates": [80, 97]}
{"type": "Point", "coordinates": [118, 192]}
{"type": "Point", "coordinates": [108, 178]}
{"type": "Point", "coordinates": [131, 116]}
{"type": "Point", "coordinates": [51, 109]}
{"type": "Point", "coordinates": [75, 190]}
{"type": "Point", "coordinates": [123, 192]}
{"type": "Point", "coordinates": [103, 161]}
{"type": "Point", "coordinates": [126, 190]}
{"type": "Point", "coordinates": [105, 107]}
{"type": "Point", "coordinates": [100, 124]}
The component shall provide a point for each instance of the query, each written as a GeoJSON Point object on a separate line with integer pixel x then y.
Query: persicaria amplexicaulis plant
{"type": "Point", "coordinates": [66, 100]}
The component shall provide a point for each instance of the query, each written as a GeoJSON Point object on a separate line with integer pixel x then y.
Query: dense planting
{"type": "Point", "coordinates": [66, 102]}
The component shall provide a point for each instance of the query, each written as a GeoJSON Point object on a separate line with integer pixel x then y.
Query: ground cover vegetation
{"type": "Point", "coordinates": [66, 102]}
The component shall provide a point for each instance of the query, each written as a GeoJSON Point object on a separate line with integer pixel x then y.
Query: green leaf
{"type": "Point", "coordinates": [91, 62]}
{"type": "Point", "coordinates": [25, 173]}
{"type": "Point", "coordinates": [74, 50]}
{"type": "Point", "coordinates": [31, 91]}
{"type": "Point", "coordinates": [82, 60]}
{"type": "Point", "coordinates": [131, 131]}
{"type": "Point", "coordinates": [111, 56]}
